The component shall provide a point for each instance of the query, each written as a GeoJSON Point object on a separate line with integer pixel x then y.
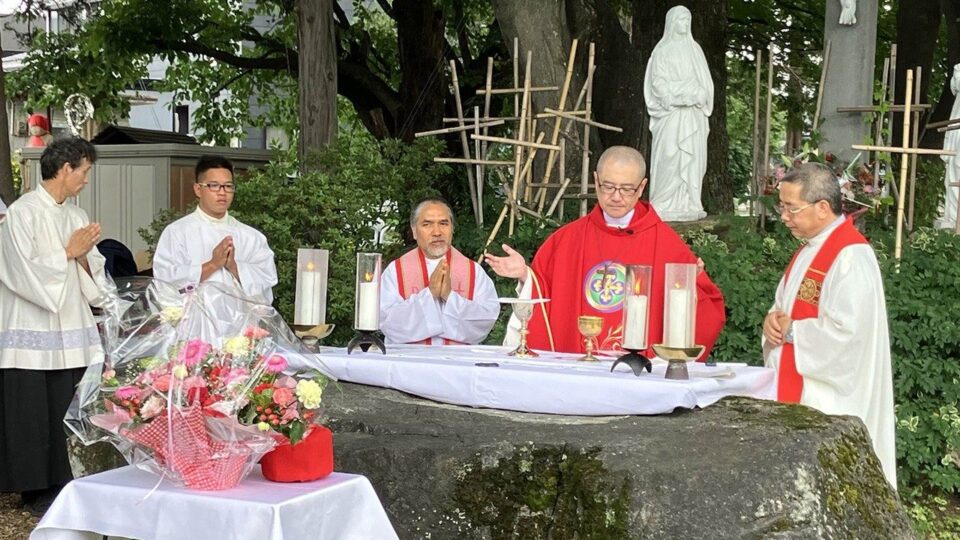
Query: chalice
{"type": "Point", "coordinates": [523, 309]}
{"type": "Point", "coordinates": [590, 327]}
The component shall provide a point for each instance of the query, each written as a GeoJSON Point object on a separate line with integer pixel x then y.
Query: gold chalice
{"type": "Point", "coordinates": [590, 327]}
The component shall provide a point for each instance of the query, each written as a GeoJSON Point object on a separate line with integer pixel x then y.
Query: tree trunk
{"type": "Point", "coordinates": [317, 79]}
{"type": "Point", "coordinates": [951, 13]}
{"type": "Point", "coordinates": [7, 192]}
{"type": "Point", "coordinates": [918, 25]}
{"type": "Point", "coordinates": [423, 67]}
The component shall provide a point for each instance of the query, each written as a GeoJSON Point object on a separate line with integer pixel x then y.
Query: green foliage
{"type": "Point", "coordinates": [922, 304]}
{"type": "Point", "coordinates": [746, 266]}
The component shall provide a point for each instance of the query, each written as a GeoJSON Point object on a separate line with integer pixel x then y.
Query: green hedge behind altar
{"type": "Point", "coordinates": [346, 191]}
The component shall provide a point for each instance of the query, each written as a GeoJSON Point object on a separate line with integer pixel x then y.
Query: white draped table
{"type": "Point", "coordinates": [485, 376]}
{"type": "Point", "coordinates": [123, 503]}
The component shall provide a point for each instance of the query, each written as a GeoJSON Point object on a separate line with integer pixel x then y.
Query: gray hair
{"type": "Point", "coordinates": [417, 208]}
{"type": "Point", "coordinates": [622, 154]}
{"type": "Point", "coordinates": [817, 183]}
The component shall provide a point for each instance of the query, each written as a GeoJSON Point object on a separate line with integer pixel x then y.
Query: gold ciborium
{"type": "Point", "coordinates": [590, 327]}
{"type": "Point", "coordinates": [523, 309]}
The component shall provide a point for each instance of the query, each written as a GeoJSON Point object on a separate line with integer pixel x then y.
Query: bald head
{"type": "Point", "coordinates": [622, 156]}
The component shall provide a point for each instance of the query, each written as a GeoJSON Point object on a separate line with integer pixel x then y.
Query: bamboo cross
{"type": "Point", "coordinates": [905, 150]}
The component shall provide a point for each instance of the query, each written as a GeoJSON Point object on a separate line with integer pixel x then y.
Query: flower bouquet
{"type": "Point", "coordinates": [289, 408]}
{"type": "Point", "coordinates": [180, 367]}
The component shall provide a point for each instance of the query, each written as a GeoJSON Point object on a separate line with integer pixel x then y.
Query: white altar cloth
{"type": "Point", "coordinates": [484, 376]}
{"type": "Point", "coordinates": [116, 503]}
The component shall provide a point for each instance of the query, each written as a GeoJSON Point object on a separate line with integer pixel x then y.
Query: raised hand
{"type": "Point", "coordinates": [512, 265]}
{"type": "Point", "coordinates": [82, 241]}
{"type": "Point", "coordinates": [447, 284]}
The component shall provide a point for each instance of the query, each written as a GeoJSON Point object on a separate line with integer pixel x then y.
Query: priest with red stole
{"type": "Point", "coordinates": [433, 294]}
{"type": "Point", "coordinates": [826, 333]}
{"type": "Point", "coordinates": [581, 266]}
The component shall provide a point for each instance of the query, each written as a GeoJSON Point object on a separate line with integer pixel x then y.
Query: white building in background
{"type": "Point", "coordinates": [149, 108]}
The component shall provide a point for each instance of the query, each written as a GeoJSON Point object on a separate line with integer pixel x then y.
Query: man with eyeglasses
{"type": "Point", "coordinates": [211, 245]}
{"type": "Point", "coordinates": [826, 334]}
{"type": "Point", "coordinates": [580, 267]}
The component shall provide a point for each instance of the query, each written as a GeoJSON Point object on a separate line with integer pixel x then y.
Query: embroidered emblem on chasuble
{"type": "Point", "coordinates": [810, 291]}
{"type": "Point", "coordinates": [604, 286]}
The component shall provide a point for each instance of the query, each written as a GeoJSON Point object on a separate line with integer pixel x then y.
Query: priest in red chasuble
{"type": "Point", "coordinates": [580, 267]}
{"type": "Point", "coordinates": [433, 294]}
{"type": "Point", "coordinates": [826, 333]}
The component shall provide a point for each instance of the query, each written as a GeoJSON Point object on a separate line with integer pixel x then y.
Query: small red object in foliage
{"type": "Point", "coordinates": [829, 157]}
{"type": "Point", "coordinates": [310, 459]}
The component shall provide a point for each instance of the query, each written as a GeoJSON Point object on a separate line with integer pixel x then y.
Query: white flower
{"type": "Point", "coordinates": [309, 393]}
{"type": "Point", "coordinates": [172, 314]}
{"type": "Point", "coordinates": [237, 345]}
{"type": "Point", "coordinates": [180, 371]}
{"type": "Point", "coordinates": [152, 407]}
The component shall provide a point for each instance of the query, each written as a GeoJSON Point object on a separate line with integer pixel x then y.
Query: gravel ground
{"type": "Point", "coordinates": [15, 523]}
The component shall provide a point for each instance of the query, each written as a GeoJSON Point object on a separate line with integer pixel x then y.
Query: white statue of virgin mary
{"type": "Point", "coordinates": [951, 141]}
{"type": "Point", "coordinates": [679, 94]}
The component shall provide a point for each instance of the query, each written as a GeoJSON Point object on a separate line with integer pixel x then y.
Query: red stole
{"type": "Point", "coordinates": [581, 269]}
{"type": "Point", "coordinates": [807, 303]}
{"type": "Point", "coordinates": [412, 276]}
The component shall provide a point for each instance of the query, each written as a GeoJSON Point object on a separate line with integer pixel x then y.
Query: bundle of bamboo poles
{"type": "Point", "coordinates": [522, 193]}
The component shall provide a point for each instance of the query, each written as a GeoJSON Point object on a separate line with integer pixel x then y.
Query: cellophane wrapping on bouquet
{"type": "Point", "coordinates": [180, 366]}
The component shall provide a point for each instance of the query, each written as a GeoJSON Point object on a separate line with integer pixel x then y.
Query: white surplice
{"type": "Point", "coordinates": [422, 316]}
{"type": "Point", "coordinates": [188, 243]}
{"type": "Point", "coordinates": [45, 317]}
{"type": "Point", "coordinates": [844, 354]}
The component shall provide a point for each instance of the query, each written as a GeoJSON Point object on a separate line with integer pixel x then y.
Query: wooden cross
{"type": "Point", "coordinates": [905, 150]}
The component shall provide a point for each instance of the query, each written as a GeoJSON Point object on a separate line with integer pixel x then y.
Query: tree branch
{"type": "Point", "coordinates": [386, 7]}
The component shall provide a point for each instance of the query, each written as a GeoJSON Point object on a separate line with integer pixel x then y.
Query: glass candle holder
{"type": "Point", "coordinates": [636, 307]}
{"type": "Point", "coordinates": [310, 305]}
{"type": "Point", "coordinates": [367, 300]}
{"type": "Point", "coordinates": [680, 305]}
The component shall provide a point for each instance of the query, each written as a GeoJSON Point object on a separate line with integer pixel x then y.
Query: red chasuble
{"type": "Point", "coordinates": [807, 303]}
{"type": "Point", "coordinates": [412, 276]}
{"type": "Point", "coordinates": [580, 268]}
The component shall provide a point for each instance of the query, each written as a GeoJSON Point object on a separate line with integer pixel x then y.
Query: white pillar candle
{"type": "Point", "coordinates": [308, 297]}
{"type": "Point", "coordinates": [368, 310]}
{"type": "Point", "coordinates": [677, 326]}
{"type": "Point", "coordinates": [635, 324]}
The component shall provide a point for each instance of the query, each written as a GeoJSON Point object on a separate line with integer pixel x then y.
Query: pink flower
{"type": "Point", "coordinates": [276, 364]}
{"type": "Point", "coordinates": [194, 382]}
{"type": "Point", "coordinates": [193, 352]}
{"type": "Point", "coordinates": [290, 414]}
{"type": "Point", "coordinates": [162, 383]}
{"type": "Point", "coordinates": [234, 375]}
{"type": "Point", "coordinates": [283, 396]}
{"type": "Point", "coordinates": [127, 392]}
{"type": "Point", "coordinates": [255, 332]}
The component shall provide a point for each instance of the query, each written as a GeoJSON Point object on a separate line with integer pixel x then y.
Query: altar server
{"type": "Point", "coordinates": [211, 245]}
{"type": "Point", "coordinates": [433, 294]}
{"type": "Point", "coordinates": [50, 274]}
{"type": "Point", "coordinates": [581, 266]}
{"type": "Point", "coordinates": [826, 334]}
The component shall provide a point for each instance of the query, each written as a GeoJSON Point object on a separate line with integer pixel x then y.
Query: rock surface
{"type": "Point", "coordinates": [741, 468]}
